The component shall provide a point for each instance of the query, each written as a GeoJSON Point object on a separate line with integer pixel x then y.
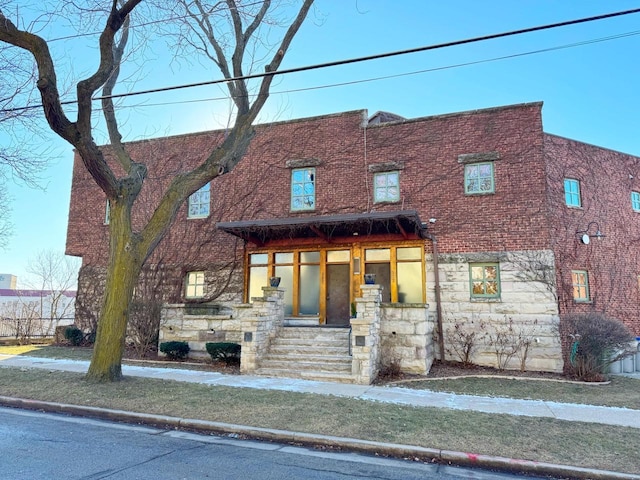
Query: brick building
{"type": "Point", "coordinates": [478, 220]}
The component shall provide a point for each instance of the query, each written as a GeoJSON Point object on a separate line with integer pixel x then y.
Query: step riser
{"type": "Point", "coordinates": [271, 365]}
{"type": "Point", "coordinates": [308, 350]}
{"type": "Point", "coordinates": [319, 376]}
{"type": "Point", "coordinates": [316, 337]}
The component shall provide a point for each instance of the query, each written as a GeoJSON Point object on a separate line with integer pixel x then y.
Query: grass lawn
{"type": "Point", "coordinates": [538, 439]}
{"type": "Point", "coordinates": [620, 392]}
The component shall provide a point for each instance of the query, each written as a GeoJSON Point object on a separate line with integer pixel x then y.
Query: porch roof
{"type": "Point", "coordinates": [405, 223]}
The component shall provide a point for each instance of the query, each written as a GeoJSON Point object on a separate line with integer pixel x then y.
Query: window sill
{"type": "Point", "coordinates": [575, 207]}
{"type": "Point", "coordinates": [478, 194]}
{"type": "Point", "coordinates": [582, 302]}
{"type": "Point", "coordinates": [202, 217]}
{"type": "Point", "coordinates": [485, 300]}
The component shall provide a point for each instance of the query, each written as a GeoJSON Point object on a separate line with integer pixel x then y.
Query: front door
{"type": "Point", "coordinates": [338, 288]}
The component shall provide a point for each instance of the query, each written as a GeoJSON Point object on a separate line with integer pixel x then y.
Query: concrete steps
{"type": "Point", "coordinates": [312, 353]}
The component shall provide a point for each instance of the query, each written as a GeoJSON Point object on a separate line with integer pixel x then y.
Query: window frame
{"type": "Point", "coordinates": [635, 201]}
{"type": "Point", "coordinates": [196, 285]}
{"type": "Point", "coordinates": [107, 212]}
{"type": "Point", "coordinates": [485, 296]}
{"type": "Point", "coordinates": [467, 190]}
{"type": "Point", "coordinates": [569, 193]}
{"type": "Point", "coordinates": [387, 199]}
{"type": "Point", "coordinates": [306, 171]}
{"type": "Point", "coordinates": [575, 283]}
{"type": "Point", "coordinates": [195, 199]}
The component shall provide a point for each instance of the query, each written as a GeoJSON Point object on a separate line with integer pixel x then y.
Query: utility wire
{"type": "Point", "coordinates": [380, 55]}
{"type": "Point", "coordinates": [405, 74]}
{"type": "Point", "coordinates": [359, 59]}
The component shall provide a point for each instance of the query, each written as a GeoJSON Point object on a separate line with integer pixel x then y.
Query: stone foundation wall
{"type": "Point", "coordinates": [198, 329]}
{"type": "Point", "coordinates": [406, 336]}
{"type": "Point", "coordinates": [527, 307]}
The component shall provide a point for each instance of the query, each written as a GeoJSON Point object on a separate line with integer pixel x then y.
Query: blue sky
{"type": "Point", "coordinates": [590, 92]}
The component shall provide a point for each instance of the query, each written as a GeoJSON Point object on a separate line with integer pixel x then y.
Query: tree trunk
{"type": "Point", "coordinates": [122, 273]}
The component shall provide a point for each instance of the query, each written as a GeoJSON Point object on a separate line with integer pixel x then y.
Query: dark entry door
{"type": "Point", "coordinates": [338, 308]}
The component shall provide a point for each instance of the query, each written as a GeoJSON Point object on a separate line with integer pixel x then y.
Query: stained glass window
{"type": "Point", "coordinates": [478, 178]}
{"type": "Point", "coordinates": [485, 280]}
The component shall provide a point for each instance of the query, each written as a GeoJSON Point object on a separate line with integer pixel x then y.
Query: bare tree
{"type": "Point", "coordinates": [18, 161]}
{"type": "Point", "coordinates": [54, 275]}
{"type": "Point", "coordinates": [129, 246]}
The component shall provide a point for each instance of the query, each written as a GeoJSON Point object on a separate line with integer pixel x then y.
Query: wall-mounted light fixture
{"type": "Point", "coordinates": [585, 236]}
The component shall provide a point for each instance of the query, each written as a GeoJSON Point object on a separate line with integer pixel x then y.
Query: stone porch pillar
{"type": "Point", "coordinates": [365, 335]}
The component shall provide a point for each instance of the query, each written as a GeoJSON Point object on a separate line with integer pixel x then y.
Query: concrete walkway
{"type": "Point", "coordinates": [421, 398]}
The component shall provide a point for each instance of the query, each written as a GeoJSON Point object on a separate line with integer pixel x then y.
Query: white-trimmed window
{"type": "Point", "coordinates": [303, 189]}
{"type": "Point", "coordinates": [484, 280]}
{"type": "Point", "coordinates": [580, 282]}
{"type": "Point", "coordinates": [635, 201]}
{"type": "Point", "coordinates": [199, 203]}
{"type": "Point", "coordinates": [478, 178]}
{"type": "Point", "coordinates": [107, 212]}
{"type": "Point", "coordinates": [386, 187]}
{"type": "Point", "coordinates": [572, 192]}
{"type": "Point", "coordinates": [194, 285]}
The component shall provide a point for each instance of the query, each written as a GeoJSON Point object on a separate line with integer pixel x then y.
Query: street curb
{"type": "Point", "coordinates": [364, 446]}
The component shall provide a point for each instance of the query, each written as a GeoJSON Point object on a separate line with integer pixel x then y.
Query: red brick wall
{"type": "Point", "coordinates": [607, 179]}
{"type": "Point", "coordinates": [431, 180]}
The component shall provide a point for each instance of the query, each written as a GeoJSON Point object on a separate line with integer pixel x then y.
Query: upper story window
{"type": "Point", "coordinates": [194, 285]}
{"type": "Point", "coordinates": [478, 178]}
{"type": "Point", "coordinates": [635, 201]}
{"type": "Point", "coordinates": [484, 279]}
{"type": "Point", "coordinates": [303, 189]}
{"type": "Point", "coordinates": [580, 282]}
{"type": "Point", "coordinates": [199, 203]}
{"type": "Point", "coordinates": [572, 192]}
{"type": "Point", "coordinates": [386, 187]}
{"type": "Point", "coordinates": [107, 212]}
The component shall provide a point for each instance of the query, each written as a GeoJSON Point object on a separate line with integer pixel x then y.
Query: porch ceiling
{"type": "Point", "coordinates": [405, 223]}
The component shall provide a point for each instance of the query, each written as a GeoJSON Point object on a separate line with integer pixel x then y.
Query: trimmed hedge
{"type": "Point", "coordinates": [228, 352]}
{"type": "Point", "coordinates": [175, 350]}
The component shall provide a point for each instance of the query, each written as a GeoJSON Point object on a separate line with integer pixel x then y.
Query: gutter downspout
{"type": "Point", "coordinates": [436, 271]}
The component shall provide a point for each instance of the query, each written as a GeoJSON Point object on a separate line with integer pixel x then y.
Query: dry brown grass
{"type": "Point", "coordinates": [547, 440]}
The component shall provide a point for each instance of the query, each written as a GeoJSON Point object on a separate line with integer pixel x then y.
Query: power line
{"type": "Point", "coordinates": [380, 55]}
{"type": "Point", "coordinates": [404, 74]}
{"type": "Point", "coordinates": [359, 59]}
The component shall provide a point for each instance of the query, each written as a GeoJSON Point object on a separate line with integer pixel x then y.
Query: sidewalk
{"type": "Point", "coordinates": [570, 412]}
{"type": "Point", "coordinates": [421, 398]}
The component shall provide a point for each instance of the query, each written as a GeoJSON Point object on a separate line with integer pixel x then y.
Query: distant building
{"type": "Point", "coordinates": [8, 281]}
{"type": "Point", "coordinates": [33, 313]}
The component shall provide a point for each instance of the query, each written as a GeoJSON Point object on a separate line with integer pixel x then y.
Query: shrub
{"type": "Point", "coordinates": [228, 352]}
{"type": "Point", "coordinates": [175, 350]}
{"type": "Point", "coordinates": [74, 335]}
{"type": "Point", "coordinates": [463, 339]}
{"type": "Point", "coordinates": [596, 342]}
{"type": "Point", "coordinates": [144, 325]}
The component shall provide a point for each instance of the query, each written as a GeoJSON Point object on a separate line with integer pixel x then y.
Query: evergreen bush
{"type": "Point", "coordinates": [228, 352]}
{"type": "Point", "coordinates": [175, 350]}
{"type": "Point", "coordinates": [74, 335]}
